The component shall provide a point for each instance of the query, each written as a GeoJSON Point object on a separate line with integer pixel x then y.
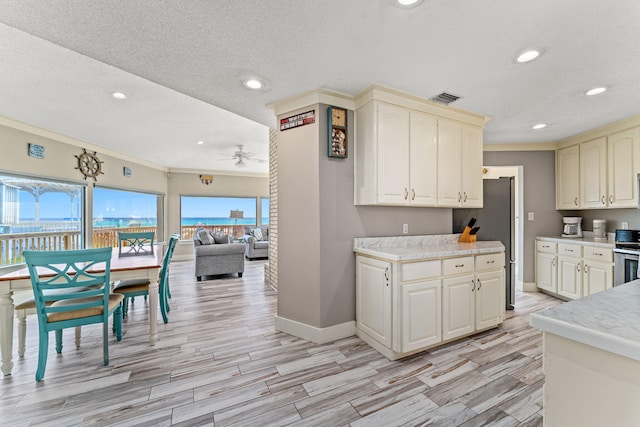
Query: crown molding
{"type": "Point", "coordinates": [528, 146]}
{"type": "Point", "coordinates": [317, 96]}
{"type": "Point", "coordinates": [606, 130]}
{"type": "Point", "coordinates": [45, 133]}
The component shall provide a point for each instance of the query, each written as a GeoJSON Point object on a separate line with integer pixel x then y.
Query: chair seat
{"type": "Point", "coordinates": [128, 284]}
{"type": "Point", "coordinates": [31, 302]}
{"type": "Point", "coordinates": [132, 288]}
{"type": "Point", "coordinates": [114, 300]}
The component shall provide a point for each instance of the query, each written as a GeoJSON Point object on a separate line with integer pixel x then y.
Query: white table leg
{"type": "Point", "coordinates": [6, 331]}
{"type": "Point", "coordinates": [153, 312]}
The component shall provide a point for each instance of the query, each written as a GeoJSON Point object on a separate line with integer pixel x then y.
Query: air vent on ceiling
{"type": "Point", "coordinates": [445, 98]}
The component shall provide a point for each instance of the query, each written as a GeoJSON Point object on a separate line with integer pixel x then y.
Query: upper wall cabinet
{"type": "Point", "coordinates": [600, 173]}
{"type": "Point", "coordinates": [406, 154]}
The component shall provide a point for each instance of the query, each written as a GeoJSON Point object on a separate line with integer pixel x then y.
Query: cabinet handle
{"type": "Point", "coordinates": [553, 262]}
{"type": "Point", "coordinates": [545, 246]}
{"type": "Point", "coordinates": [386, 275]}
{"type": "Point", "coordinates": [611, 199]}
{"type": "Point", "coordinates": [604, 200]}
{"type": "Point", "coordinates": [459, 265]}
{"type": "Point", "coordinates": [578, 267]}
{"type": "Point", "coordinates": [491, 262]}
{"type": "Point", "coordinates": [568, 250]}
{"type": "Point", "coordinates": [413, 194]}
{"type": "Point", "coordinates": [459, 197]}
{"type": "Point", "coordinates": [465, 196]}
{"type": "Point", "coordinates": [473, 289]}
{"type": "Point", "coordinates": [479, 284]}
{"type": "Point", "coordinates": [406, 194]}
{"type": "Point", "coordinates": [597, 254]}
{"type": "Point", "coordinates": [575, 201]}
{"type": "Point", "coordinates": [586, 268]}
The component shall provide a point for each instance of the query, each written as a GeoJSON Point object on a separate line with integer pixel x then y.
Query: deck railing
{"type": "Point", "coordinates": [12, 245]}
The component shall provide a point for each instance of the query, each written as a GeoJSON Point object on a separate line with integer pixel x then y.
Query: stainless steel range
{"type": "Point", "coordinates": [626, 256]}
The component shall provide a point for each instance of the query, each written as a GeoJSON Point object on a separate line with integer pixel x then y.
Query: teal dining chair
{"type": "Point", "coordinates": [130, 288]}
{"type": "Point", "coordinates": [71, 288]}
{"type": "Point", "coordinates": [139, 243]}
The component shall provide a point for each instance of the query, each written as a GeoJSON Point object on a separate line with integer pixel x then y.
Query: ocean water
{"type": "Point", "coordinates": [151, 222]}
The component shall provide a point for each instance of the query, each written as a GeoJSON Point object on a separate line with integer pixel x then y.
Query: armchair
{"type": "Point", "coordinates": [256, 243]}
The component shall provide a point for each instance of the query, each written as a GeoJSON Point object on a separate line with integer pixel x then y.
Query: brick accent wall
{"type": "Point", "coordinates": [272, 272]}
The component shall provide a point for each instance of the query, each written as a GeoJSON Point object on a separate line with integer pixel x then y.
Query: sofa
{"type": "Point", "coordinates": [215, 254]}
{"type": "Point", "coordinates": [256, 243]}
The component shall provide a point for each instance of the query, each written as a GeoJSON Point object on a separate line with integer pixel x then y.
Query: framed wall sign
{"type": "Point", "coordinates": [36, 151]}
{"type": "Point", "coordinates": [338, 143]}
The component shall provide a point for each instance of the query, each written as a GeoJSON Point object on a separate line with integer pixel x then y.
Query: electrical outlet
{"type": "Point", "coordinates": [405, 228]}
{"type": "Point", "coordinates": [530, 216]}
{"type": "Point", "coordinates": [625, 225]}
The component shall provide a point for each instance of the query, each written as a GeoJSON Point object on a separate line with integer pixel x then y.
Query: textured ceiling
{"type": "Point", "coordinates": [179, 59]}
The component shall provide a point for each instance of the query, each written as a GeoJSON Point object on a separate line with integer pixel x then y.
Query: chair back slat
{"type": "Point", "coordinates": [136, 242]}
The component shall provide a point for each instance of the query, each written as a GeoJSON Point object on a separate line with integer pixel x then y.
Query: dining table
{"type": "Point", "coordinates": [144, 265]}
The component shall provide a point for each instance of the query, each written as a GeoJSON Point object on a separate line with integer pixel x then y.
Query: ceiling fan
{"type": "Point", "coordinates": [241, 157]}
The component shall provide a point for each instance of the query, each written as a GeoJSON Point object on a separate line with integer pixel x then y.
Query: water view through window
{"type": "Point", "coordinates": [215, 213]}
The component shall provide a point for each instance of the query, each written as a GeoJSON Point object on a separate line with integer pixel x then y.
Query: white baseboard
{"type": "Point", "coordinates": [529, 287]}
{"type": "Point", "coordinates": [316, 335]}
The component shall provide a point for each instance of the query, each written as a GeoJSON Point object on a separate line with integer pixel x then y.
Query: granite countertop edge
{"type": "Point", "coordinates": [601, 320]}
{"type": "Point", "coordinates": [411, 253]}
{"type": "Point", "coordinates": [590, 241]}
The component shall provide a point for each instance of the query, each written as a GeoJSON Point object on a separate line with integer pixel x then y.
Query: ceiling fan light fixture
{"type": "Point", "coordinates": [596, 91]}
{"type": "Point", "coordinates": [240, 163]}
{"type": "Point", "coordinates": [528, 55]}
{"type": "Point", "coordinates": [253, 84]}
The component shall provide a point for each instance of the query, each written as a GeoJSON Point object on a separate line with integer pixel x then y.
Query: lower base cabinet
{"type": "Point", "coordinates": [406, 307]}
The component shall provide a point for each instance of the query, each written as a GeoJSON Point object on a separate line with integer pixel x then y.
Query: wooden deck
{"type": "Point", "coordinates": [220, 362]}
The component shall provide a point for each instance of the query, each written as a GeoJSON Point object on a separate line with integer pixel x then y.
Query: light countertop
{"type": "Point", "coordinates": [408, 248]}
{"type": "Point", "coordinates": [588, 239]}
{"type": "Point", "coordinates": [608, 320]}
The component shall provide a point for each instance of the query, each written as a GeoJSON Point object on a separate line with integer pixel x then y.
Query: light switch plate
{"type": "Point", "coordinates": [405, 228]}
{"type": "Point", "coordinates": [530, 216]}
{"type": "Point", "coordinates": [625, 225]}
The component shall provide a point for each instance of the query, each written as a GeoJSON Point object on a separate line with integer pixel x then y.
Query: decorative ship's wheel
{"type": "Point", "coordinates": [89, 164]}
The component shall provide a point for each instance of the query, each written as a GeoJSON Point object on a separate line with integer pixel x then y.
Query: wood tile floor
{"type": "Point", "coordinates": [220, 362]}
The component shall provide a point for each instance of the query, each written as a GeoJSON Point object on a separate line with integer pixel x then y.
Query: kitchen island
{"type": "Point", "coordinates": [592, 359]}
{"type": "Point", "coordinates": [417, 292]}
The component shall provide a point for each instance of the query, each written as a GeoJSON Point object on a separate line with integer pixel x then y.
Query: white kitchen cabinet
{"type": "Point", "coordinates": [396, 151]}
{"type": "Point", "coordinates": [623, 167]}
{"type": "Point", "coordinates": [568, 178]}
{"type": "Point", "coordinates": [458, 301]}
{"type": "Point", "coordinates": [593, 174]}
{"type": "Point", "coordinates": [489, 299]}
{"type": "Point", "coordinates": [547, 272]}
{"type": "Point", "coordinates": [421, 315]}
{"type": "Point", "coordinates": [373, 298]}
{"type": "Point", "coordinates": [570, 270]}
{"type": "Point", "coordinates": [597, 271]}
{"type": "Point", "coordinates": [460, 152]}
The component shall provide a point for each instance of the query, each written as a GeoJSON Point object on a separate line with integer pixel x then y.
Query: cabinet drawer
{"type": "Point", "coordinates": [457, 265]}
{"type": "Point", "coordinates": [568, 249]}
{"type": "Point", "coordinates": [419, 270]}
{"type": "Point", "coordinates": [598, 254]}
{"type": "Point", "coordinates": [542, 246]}
{"type": "Point", "coordinates": [490, 261]}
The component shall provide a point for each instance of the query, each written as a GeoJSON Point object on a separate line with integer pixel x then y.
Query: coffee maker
{"type": "Point", "coordinates": [572, 226]}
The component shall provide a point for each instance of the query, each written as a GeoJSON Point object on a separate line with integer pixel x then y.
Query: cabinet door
{"type": "Point", "coordinates": [458, 306]}
{"type": "Point", "coordinates": [373, 298]}
{"type": "Point", "coordinates": [623, 153]}
{"type": "Point", "coordinates": [471, 166]}
{"type": "Point", "coordinates": [597, 277]}
{"type": "Point", "coordinates": [546, 272]}
{"type": "Point", "coordinates": [449, 163]}
{"type": "Point", "coordinates": [420, 311]}
{"type": "Point", "coordinates": [423, 159]}
{"type": "Point", "coordinates": [568, 178]}
{"type": "Point", "coordinates": [393, 155]}
{"type": "Point", "coordinates": [490, 299]}
{"type": "Point", "coordinates": [593, 174]}
{"type": "Point", "coordinates": [570, 277]}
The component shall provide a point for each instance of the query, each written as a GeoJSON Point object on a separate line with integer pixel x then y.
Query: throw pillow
{"type": "Point", "coordinates": [221, 238]}
{"type": "Point", "coordinates": [257, 233]}
{"type": "Point", "coordinates": [205, 237]}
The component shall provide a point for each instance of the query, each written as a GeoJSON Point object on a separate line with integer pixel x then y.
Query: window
{"type": "Point", "coordinates": [121, 210]}
{"type": "Point", "coordinates": [215, 214]}
{"type": "Point", "coordinates": [38, 214]}
{"type": "Point", "coordinates": [264, 209]}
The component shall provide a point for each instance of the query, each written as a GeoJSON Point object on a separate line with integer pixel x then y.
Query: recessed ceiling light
{"type": "Point", "coordinates": [253, 84]}
{"type": "Point", "coordinates": [539, 126]}
{"type": "Point", "coordinates": [528, 55]}
{"type": "Point", "coordinates": [407, 3]}
{"type": "Point", "coordinates": [200, 142]}
{"type": "Point", "coordinates": [596, 91]}
{"type": "Point", "coordinates": [118, 95]}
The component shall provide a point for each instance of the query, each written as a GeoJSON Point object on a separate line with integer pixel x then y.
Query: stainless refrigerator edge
{"type": "Point", "coordinates": [497, 222]}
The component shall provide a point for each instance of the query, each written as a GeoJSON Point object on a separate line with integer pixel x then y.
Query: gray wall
{"type": "Point", "coordinates": [539, 197]}
{"type": "Point", "coordinates": [316, 266]}
{"type": "Point", "coordinates": [614, 218]}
